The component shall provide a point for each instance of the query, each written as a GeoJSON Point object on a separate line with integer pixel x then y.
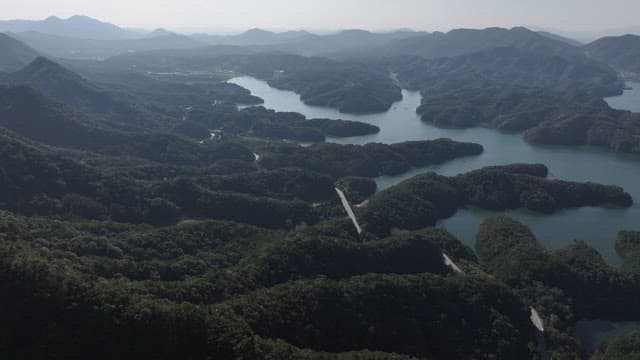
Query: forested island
{"type": "Point", "coordinates": [545, 116]}
{"type": "Point", "coordinates": [422, 200]}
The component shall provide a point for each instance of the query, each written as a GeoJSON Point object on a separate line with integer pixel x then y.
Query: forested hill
{"type": "Point", "coordinates": [37, 117]}
{"type": "Point", "coordinates": [571, 283]}
{"type": "Point", "coordinates": [421, 201]}
{"type": "Point", "coordinates": [349, 87]}
{"type": "Point", "coordinates": [14, 54]}
{"type": "Point", "coordinates": [71, 89]}
{"type": "Point", "coordinates": [514, 66]}
{"type": "Point", "coordinates": [622, 53]}
{"type": "Point", "coordinates": [465, 41]}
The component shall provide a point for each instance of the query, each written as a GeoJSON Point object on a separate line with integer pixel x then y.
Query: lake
{"type": "Point", "coordinates": [593, 332]}
{"type": "Point", "coordinates": [596, 226]}
{"type": "Point", "coordinates": [630, 100]}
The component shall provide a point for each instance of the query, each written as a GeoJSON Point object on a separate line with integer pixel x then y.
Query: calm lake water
{"type": "Point", "coordinates": [597, 226]}
{"type": "Point", "coordinates": [630, 100]}
{"type": "Point", "coordinates": [594, 332]}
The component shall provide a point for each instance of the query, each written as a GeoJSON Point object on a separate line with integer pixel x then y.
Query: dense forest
{"type": "Point", "coordinates": [570, 283]}
{"type": "Point", "coordinates": [422, 200]}
{"type": "Point", "coordinates": [150, 209]}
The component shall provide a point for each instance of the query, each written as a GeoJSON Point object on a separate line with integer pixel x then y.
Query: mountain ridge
{"type": "Point", "coordinates": [76, 26]}
{"type": "Point", "coordinates": [14, 54]}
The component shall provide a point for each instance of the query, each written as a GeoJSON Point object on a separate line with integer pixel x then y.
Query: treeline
{"type": "Point", "coordinates": [424, 199]}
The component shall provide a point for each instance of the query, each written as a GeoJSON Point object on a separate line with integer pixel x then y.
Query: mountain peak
{"type": "Point", "coordinates": [76, 26]}
{"type": "Point", "coordinates": [84, 19]}
{"type": "Point", "coordinates": [355, 32]}
{"type": "Point", "coordinates": [257, 31]}
{"type": "Point", "coordinates": [43, 66]}
{"type": "Point", "coordinates": [160, 32]}
{"type": "Point", "coordinates": [42, 61]}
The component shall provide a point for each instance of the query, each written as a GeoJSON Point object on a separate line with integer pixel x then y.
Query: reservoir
{"type": "Point", "coordinates": [596, 226]}
{"type": "Point", "coordinates": [630, 100]}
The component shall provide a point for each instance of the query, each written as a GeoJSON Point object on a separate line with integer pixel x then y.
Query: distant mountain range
{"type": "Point", "coordinates": [254, 37]}
{"type": "Point", "coordinates": [464, 41]}
{"type": "Point", "coordinates": [83, 38]}
{"type": "Point", "coordinates": [76, 48]}
{"type": "Point", "coordinates": [77, 26]}
{"type": "Point", "coordinates": [306, 43]}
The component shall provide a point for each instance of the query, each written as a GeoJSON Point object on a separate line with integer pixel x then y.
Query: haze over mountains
{"type": "Point", "coordinates": [76, 26]}
{"type": "Point", "coordinates": [81, 37]}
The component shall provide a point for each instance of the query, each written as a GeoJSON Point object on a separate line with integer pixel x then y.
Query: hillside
{"type": "Point", "coordinates": [621, 52]}
{"type": "Point", "coordinates": [512, 65]}
{"type": "Point", "coordinates": [14, 54]}
{"type": "Point", "coordinates": [72, 89]}
{"type": "Point", "coordinates": [37, 117]}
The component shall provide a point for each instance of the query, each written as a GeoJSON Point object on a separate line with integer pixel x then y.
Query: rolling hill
{"type": "Point", "coordinates": [621, 52]}
{"type": "Point", "coordinates": [14, 54]}
{"type": "Point", "coordinates": [72, 89]}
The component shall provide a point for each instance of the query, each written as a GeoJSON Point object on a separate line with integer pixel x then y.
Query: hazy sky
{"type": "Point", "coordinates": [572, 15]}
